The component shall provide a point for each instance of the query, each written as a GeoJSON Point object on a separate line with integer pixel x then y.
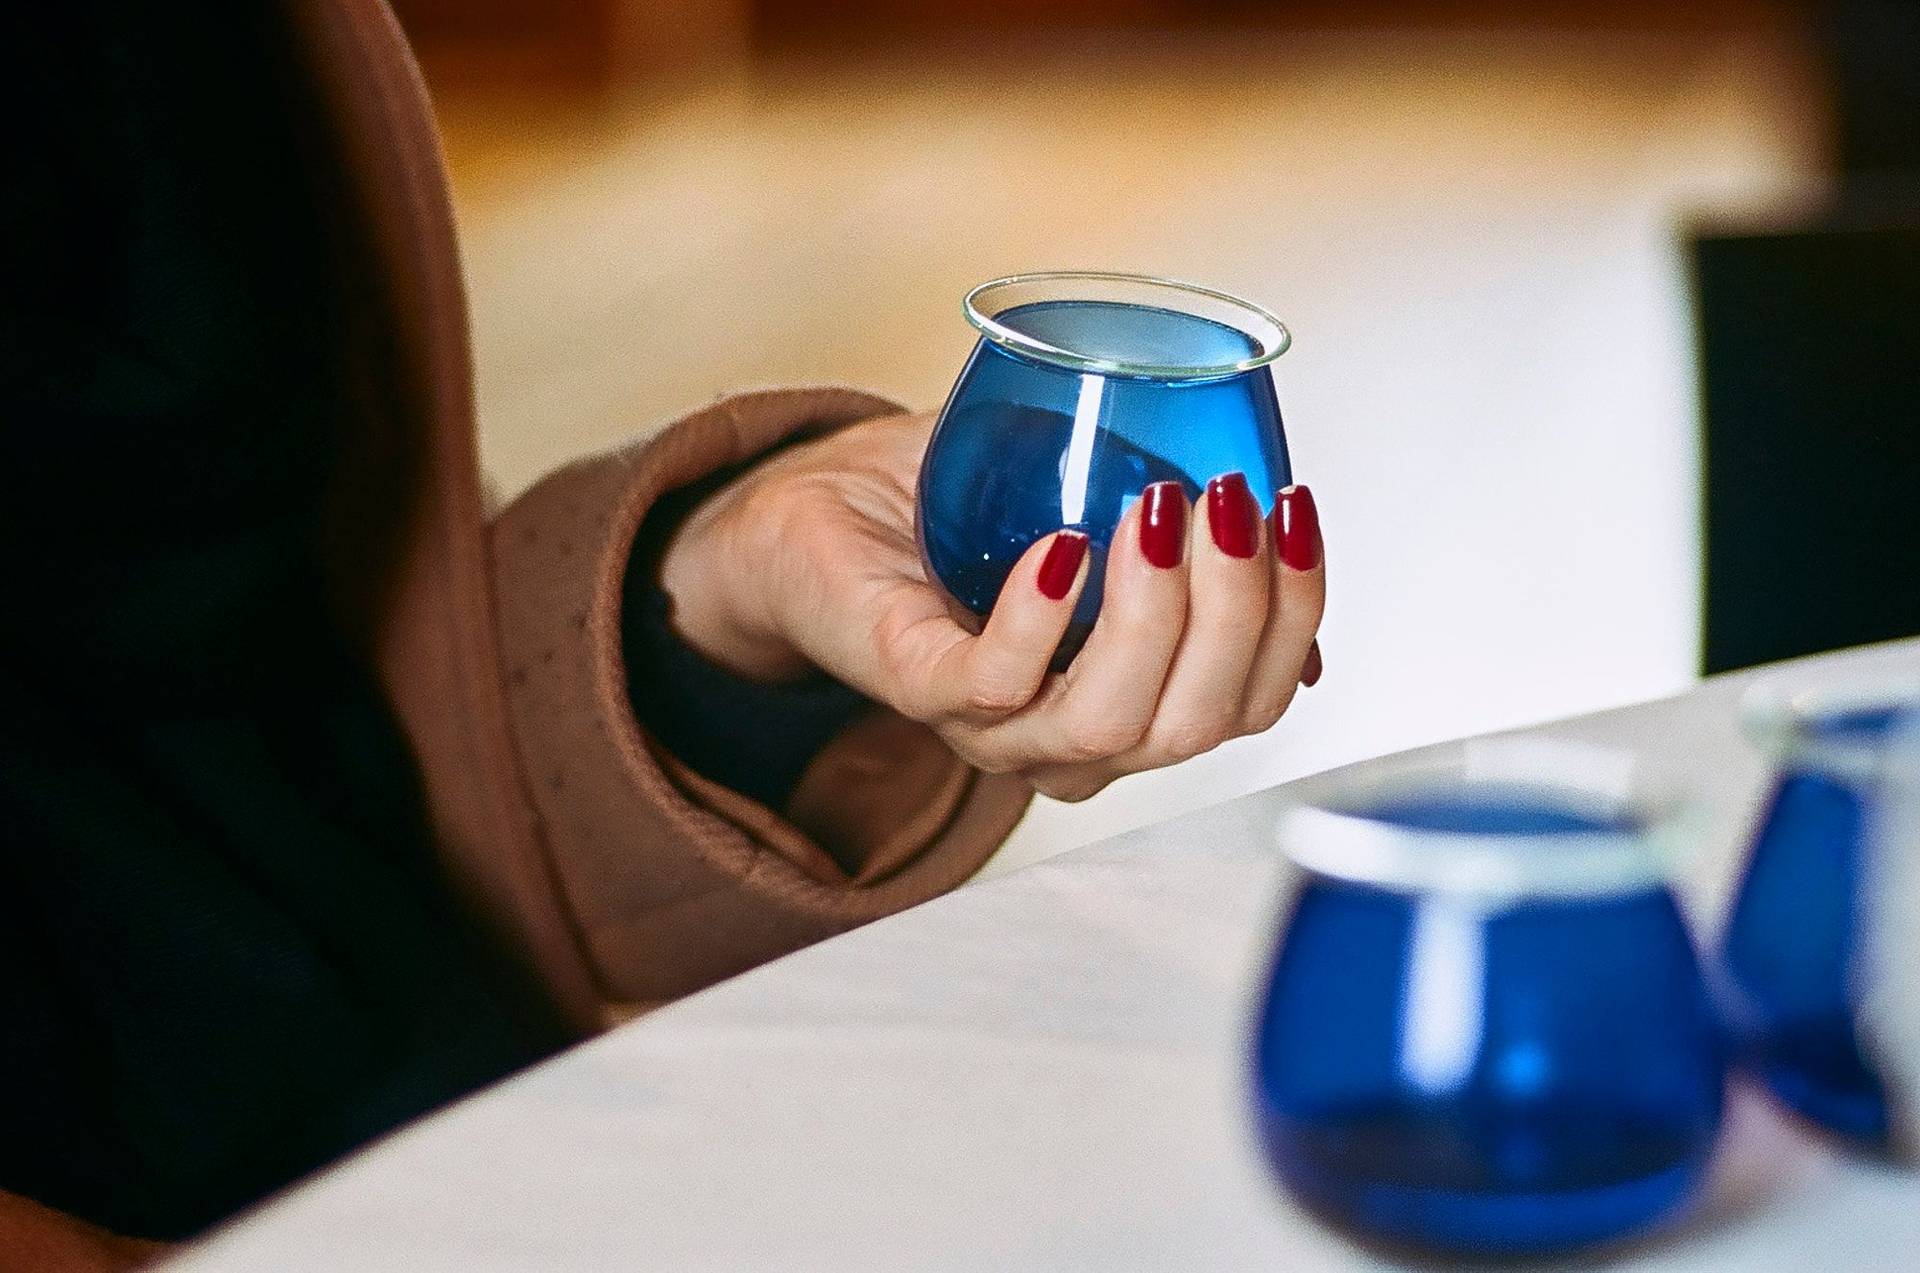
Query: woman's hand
{"type": "Point", "coordinates": [1206, 628]}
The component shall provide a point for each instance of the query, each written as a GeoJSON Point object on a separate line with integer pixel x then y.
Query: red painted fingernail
{"type": "Point", "coordinates": [1310, 674]}
{"type": "Point", "coordinates": [1163, 524]}
{"type": "Point", "coordinates": [1232, 515]}
{"type": "Point", "coordinates": [1061, 566]}
{"type": "Point", "coordinates": [1296, 529]}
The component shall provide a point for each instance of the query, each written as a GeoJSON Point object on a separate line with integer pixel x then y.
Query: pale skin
{"type": "Point", "coordinates": [808, 560]}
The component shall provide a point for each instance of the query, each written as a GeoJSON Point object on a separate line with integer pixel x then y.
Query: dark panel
{"type": "Point", "coordinates": [1810, 373]}
{"type": "Point", "coordinates": [1874, 48]}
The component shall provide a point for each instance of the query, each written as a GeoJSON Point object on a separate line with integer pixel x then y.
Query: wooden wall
{"type": "Point", "coordinates": [607, 42]}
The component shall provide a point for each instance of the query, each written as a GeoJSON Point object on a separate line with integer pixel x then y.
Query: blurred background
{"type": "Point", "coordinates": [1605, 314]}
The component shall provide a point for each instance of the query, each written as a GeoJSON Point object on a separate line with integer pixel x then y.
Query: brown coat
{"type": "Point", "coordinates": [617, 874]}
{"type": "Point", "coordinates": [623, 877]}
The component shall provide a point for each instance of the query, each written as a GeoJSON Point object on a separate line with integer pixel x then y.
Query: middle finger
{"type": "Point", "coordinates": [1227, 602]}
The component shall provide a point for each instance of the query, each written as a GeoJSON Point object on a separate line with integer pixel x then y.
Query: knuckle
{"type": "Point", "coordinates": [1258, 721]}
{"type": "Point", "coordinates": [990, 762]}
{"type": "Point", "coordinates": [1070, 790]}
{"type": "Point", "coordinates": [899, 666]}
{"type": "Point", "coordinates": [913, 705]}
{"type": "Point", "coordinates": [961, 739]}
{"type": "Point", "coordinates": [1193, 738]}
{"type": "Point", "coordinates": [779, 506]}
{"type": "Point", "coordinates": [1098, 738]}
{"type": "Point", "coordinates": [1269, 713]}
{"type": "Point", "coordinates": [996, 697]}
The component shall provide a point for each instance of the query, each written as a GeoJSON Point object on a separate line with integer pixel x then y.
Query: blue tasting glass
{"type": "Point", "coordinates": [1486, 1031]}
{"type": "Point", "coordinates": [1791, 952]}
{"type": "Point", "coordinates": [1083, 389]}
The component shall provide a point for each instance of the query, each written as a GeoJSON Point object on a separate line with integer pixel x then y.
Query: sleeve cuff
{"type": "Point", "coordinates": [757, 739]}
{"type": "Point", "coordinates": [672, 878]}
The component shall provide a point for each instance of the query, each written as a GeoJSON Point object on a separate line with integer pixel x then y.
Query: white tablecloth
{"type": "Point", "coordinates": [1045, 1071]}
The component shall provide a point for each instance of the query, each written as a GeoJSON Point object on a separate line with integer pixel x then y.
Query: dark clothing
{"type": "Point", "coordinates": [228, 956]}
{"type": "Point", "coordinates": [701, 714]}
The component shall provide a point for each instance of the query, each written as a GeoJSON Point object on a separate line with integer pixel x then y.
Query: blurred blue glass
{"type": "Point", "coordinates": [1792, 948]}
{"type": "Point", "coordinates": [1084, 389]}
{"type": "Point", "coordinates": [1486, 1030]}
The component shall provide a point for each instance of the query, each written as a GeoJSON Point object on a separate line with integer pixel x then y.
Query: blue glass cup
{"type": "Point", "coordinates": [1486, 1031]}
{"type": "Point", "coordinates": [1797, 954]}
{"type": "Point", "coordinates": [1887, 965]}
{"type": "Point", "coordinates": [1084, 389]}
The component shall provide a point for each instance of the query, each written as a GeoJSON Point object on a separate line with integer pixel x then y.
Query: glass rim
{"type": "Point", "coordinates": [1336, 837]}
{"type": "Point", "coordinates": [1254, 322]}
{"type": "Point", "coordinates": [1782, 718]}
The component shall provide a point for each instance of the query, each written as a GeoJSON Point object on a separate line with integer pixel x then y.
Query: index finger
{"type": "Point", "coordinates": [998, 672]}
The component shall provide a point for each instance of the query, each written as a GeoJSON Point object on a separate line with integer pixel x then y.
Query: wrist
{"type": "Point", "coordinates": [716, 569]}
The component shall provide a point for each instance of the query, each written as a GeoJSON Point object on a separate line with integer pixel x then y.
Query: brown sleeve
{"type": "Point", "coordinates": [672, 881]}
{"type": "Point", "coordinates": [40, 1239]}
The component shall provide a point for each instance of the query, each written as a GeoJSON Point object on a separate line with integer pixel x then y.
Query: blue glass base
{"type": "Point", "coordinates": [1816, 1071]}
{"type": "Point", "coordinates": [1789, 955]}
{"type": "Point", "coordinates": [1472, 1077]}
{"type": "Point", "coordinates": [1546, 1179]}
